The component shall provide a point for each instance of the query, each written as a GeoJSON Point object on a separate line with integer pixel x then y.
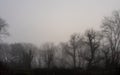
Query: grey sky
{"type": "Point", "coordinates": [39, 21]}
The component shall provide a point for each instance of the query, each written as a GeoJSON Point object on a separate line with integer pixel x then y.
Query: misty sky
{"type": "Point", "coordinates": [40, 21]}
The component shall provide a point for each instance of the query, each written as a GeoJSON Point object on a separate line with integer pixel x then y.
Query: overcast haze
{"type": "Point", "coordinates": [40, 21]}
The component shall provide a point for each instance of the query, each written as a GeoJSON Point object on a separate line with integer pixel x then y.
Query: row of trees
{"type": "Point", "coordinates": [93, 49]}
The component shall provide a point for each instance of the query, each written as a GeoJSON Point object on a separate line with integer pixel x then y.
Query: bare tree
{"type": "Point", "coordinates": [92, 44]}
{"type": "Point", "coordinates": [111, 29]}
{"type": "Point", "coordinates": [30, 53]}
{"type": "Point", "coordinates": [22, 55]}
{"type": "Point", "coordinates": [106, 56]}
{"type": "Point", "coordinates": [3, 32]}
{"type": "Point", "coordinates": [48, 54]}
{"type": "Point", "coordinates": [66, 61]}
{"type": "Point", "coordinates": [73, 47]}
{"type": "Point", "coordinates": [5, 56]}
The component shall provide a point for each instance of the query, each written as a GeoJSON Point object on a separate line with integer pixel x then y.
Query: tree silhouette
{"type": "Point", "coordinates": [111, 30]}
{"type": "Point", "coordinates": [3, 32]}
{"type": "Point", "coordinates": [92, 41]}
{"type": "Point", "coordinates": [48, 54]}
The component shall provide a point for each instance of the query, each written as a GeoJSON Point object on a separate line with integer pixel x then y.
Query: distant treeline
{"type": "Point", "coordinates": [91, 53]}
